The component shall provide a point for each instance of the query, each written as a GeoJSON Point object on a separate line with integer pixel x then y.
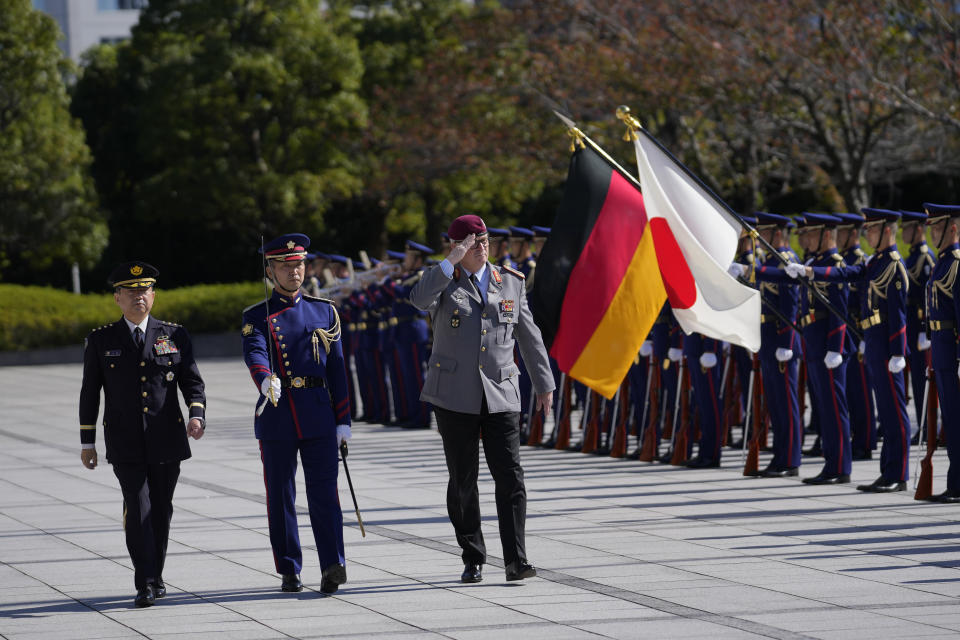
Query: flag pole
{"type": "Point", "coordinates": [633, 126]}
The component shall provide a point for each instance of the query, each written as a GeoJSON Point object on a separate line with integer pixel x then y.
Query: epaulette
{"type": "Point", "coordinates": [169, 324]}
{"type": "Point", "coordinates": [924, 248]}
{"type": "Point", "coordinates": [788, 255]}
{"type": "Point", "coordinates": [895, 256]}
{"type": "Point", "coordinates": [859, 252]}
{"type": "Point", "coordinates": [513, 271]}
{"type": "Point", "coordinates": [837, 257]}
{"type": "Point", "coordinates": [318, 299]}
{"type": "Point", "coordinates": [956, 254]}
{"type": "Point", "coordinates": [456, 272]}
{"type": "Point", "coordinates": [254, 305]}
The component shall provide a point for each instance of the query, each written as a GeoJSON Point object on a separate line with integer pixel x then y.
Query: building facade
{"type": "Point", "coordinates": [85, 23]}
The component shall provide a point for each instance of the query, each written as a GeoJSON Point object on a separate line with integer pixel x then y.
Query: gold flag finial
{"type": "Point", "coordinates": [632, 124]}
{"type": "Point", "coordinates": [576, 139]}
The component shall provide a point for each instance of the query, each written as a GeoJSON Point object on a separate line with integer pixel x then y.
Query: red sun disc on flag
{"type": "Point", "coordinates": [677, 279]}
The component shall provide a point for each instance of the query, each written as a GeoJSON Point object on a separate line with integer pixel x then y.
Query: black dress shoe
{"type": "Point", "coordinates": [333, 576]}
{"type": "Point", "coordinates": [145, 597]}
{"type": "Point", "coordinates": [949, 496]}
{"type": "Point", "coordinates": [813, 452]}
{"type": "Point", "coordinates": [702, 463]}
{"type": "Point", "coordinates": [665, 458]}
{"type": "Point", "coordinates": [472, 573]}
{"type": "Point", "coordinates": [823, 479]}
{"type": "Point", "coordinates": [520, 571]}
{"type": "Point", "coordinates": [771, 472]}
{"type": "Point", "coordinates": [159, 589]}
{"type": "Point", "coordinates": [863, 455]}
{"type": "Point", "coordinates": [870, 487]}
{"type": "Point", "coordinates": [890, 487]}
{"type": "Point", "coordinates": [291, 583]}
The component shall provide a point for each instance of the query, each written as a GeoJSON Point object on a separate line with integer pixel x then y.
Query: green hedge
{"type": "Point", "coordinates": [38, 317]}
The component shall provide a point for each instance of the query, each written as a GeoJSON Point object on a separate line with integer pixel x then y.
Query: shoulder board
{"type": "Point", "coordinates": [513, 271]}
{"type": "Point", "coordinates": [318, 299]}
{"type": "Point", "coordinates": [956, 254]}
{"type": "Point", "coordinates": [254, 305]}
{"type": "Point", "coordinates": [859, 252]}
{"type": "Point", "coordinates": [837, 257]}
{"type": "Point", "coordinates": [169, 324]}
{"type": "Point", "coordinates": [456, 272]}
{"type": "Point", "coordinates": [895, 256]}
{"type": "Point", "coordinates": [787, 254]}
{"type": "Point", "coordinates": [100, 328]}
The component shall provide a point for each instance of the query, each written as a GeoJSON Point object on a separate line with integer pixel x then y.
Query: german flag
{"type": "Point", "coordinates": [598, 288]}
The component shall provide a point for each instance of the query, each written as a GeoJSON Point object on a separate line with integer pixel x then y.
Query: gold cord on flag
{"type": "Point", "coordinates": [631, 123]}
{"type": "Point", "coordinates": [576, 139]}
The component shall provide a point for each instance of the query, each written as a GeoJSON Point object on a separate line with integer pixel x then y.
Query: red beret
{"type": "Point", "coordinates": [464, 226]}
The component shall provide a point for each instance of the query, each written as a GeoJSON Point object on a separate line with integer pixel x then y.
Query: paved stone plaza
{"type": "Point", "coordinates": [624, 549]}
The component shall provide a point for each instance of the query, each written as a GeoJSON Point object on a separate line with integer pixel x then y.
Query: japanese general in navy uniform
{"type": "Point", "coordinates": [140, 362]}
{"type": "Point", "coordinates": [291, 345]}
{"type": "Point", "coordinates": [478, 312]}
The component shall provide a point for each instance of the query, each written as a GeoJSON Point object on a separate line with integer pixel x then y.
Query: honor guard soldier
{"type": "Point", "coordinates": [826, 344]}
{"type": "Point", "coordinates": [291, 345]}
{"type": "Point", "coordinates": [863, 422]}
{"type": "Point", "coordinates": [882, 283]}
{"type": "Point", "coordinates": [500, 247]}
{"type": "Point", "coordinates": [919, 263]}
{"type": "Point", "coordinates": [412, 340]}
{"type": "Point", "coordinates": [701, 354]}
{"type": "Point", "coordinates": [140, 362]}
{"type": "Point", "coordinates": [943, 316]}
{"type": "Point", "coordinates": [742, 358]}
{"type": "Point", "coordinates": [478, 311]}
{"type": "Point", "coordinates": [521, 250]}
{"type": "Point", "coordinates": [780, 347]}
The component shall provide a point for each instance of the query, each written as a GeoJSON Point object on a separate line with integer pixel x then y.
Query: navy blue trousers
{"type": "Point", "coordinates": [320, 466]}
{"type": "Point", "coordinates": [891, 396]}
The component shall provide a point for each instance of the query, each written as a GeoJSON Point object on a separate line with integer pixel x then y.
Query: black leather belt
{"type": "Point", "coordinates": [303, 382]}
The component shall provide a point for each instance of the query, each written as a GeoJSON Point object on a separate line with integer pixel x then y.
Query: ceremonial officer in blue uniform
{"type": "Point", "coordinates": [780, 347]}
{"type": "Point", "coordinates": [291, 345]}
{"type": "Point", "coordinates": [500, 247]}
{"type": "Point", "coordinates": [412, 340]}
{"type": "Point", "coordinates": [826, 345]}
{"type": "Point", "coordinates": [701, 355]}
{"type": "Point", "coordinates": [478, 311]}
{"type": "Point", "coordinates": [140, 362]}
{"type": "Point", "coordinates": [883, 297]}
{"type": "Point", "coordinates": [943, 319]}
{"type": "Point", "coordinates": [863, 422]}
{"type": "Point", "coordinates": [919, 263]}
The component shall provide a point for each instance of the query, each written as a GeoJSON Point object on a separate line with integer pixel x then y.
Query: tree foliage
{"type": "Point", "coordinates": [219, 122]}
{"type": "Point", "coordinates": [48, 207]}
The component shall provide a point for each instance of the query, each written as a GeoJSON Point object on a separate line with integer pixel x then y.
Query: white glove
{"type": "Point", "coordinates": [795, 270]}
{"type": "Point", "coordinates": [862, 348]}
{"type": "Point", "coordinates": [896, 364]}
{"type": "Point", "coordinates": [783, 355]}
{"type": "Point", "coordinates": [646, 348]}
{"type": "Point", "coordinates": [343, 433]}
{"type": "Point", "coordinates": [708, 360]}
{"type": "Point", "coordinates": [736, 269]}
{"type": "Point", "coordinates": [270, 381]}
{"type": "Point", "coordinates": [674, 354]}
{"type": "Point", "coordinates": [923, 343]}
{"type": "Point", "coordinates": [832, 359]}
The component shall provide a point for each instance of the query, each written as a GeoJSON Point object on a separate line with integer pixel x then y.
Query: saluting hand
{"type": "Point", "coordinates": [460, 250]}
{"type": "Point", "coordinates": [195, 428]}
{"type": "Point", "coordinates": [89, 458]}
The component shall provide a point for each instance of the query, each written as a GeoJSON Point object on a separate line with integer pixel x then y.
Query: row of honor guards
{"type": "Point", "coordinates": [853, 333]}
{"type": "Point", "coordinates": [385, 336]}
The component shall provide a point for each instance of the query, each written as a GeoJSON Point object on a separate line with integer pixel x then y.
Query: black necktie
{"type": "Point", "coordinates": [476, 284]}
{"type": "Point", "coordinates": [138, 337]}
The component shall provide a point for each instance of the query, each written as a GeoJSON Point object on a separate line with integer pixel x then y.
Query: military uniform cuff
{"type": "Point", "coordinates": [88, 445]}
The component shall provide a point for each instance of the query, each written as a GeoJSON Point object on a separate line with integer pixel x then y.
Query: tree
{"type": "Point", "coordinates": [48, 206]}
{"type": "Point", "coordinates": [227, 121]}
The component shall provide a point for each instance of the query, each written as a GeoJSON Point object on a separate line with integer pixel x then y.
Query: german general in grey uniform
{"type": "Point", "coordinates": [478, 312]}
{"type": "Point", "coordinates": [139, 362]}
